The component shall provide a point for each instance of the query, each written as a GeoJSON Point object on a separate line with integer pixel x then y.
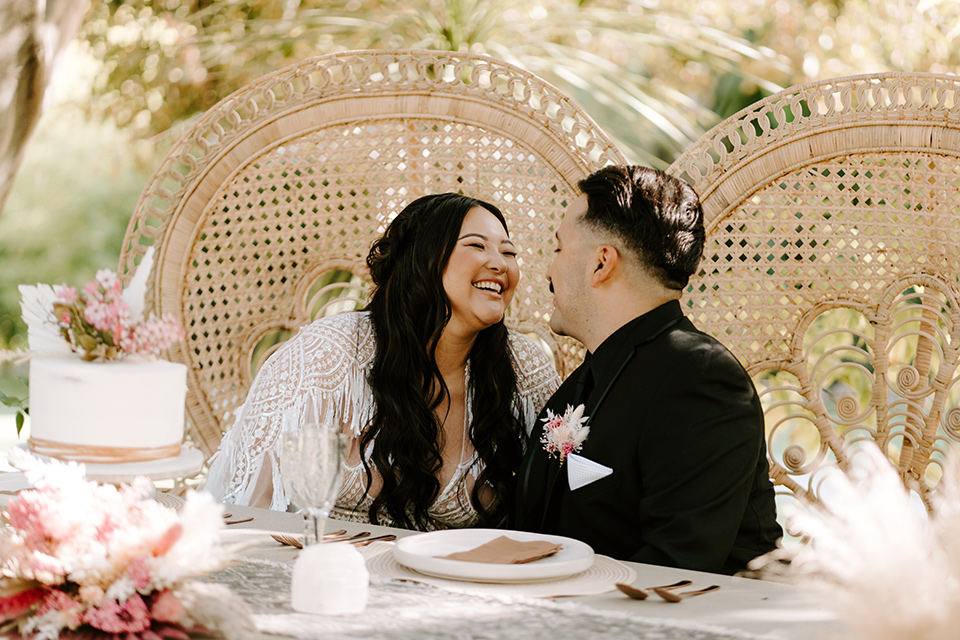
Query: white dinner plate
{"type": "Point", "coordinates": [420, 553]}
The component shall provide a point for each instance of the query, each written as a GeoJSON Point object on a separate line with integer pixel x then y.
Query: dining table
{"type": "Point", "coordinates": [405, 605]}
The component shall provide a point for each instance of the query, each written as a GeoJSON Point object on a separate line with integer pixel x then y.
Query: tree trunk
{"type": "Point", "coordinates": [32, 35]}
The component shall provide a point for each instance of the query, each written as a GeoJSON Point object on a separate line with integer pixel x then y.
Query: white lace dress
{"type": "Point", "coordinates": [329, 360]}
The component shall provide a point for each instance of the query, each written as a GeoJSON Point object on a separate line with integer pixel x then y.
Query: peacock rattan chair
{"type": "Point", "coordinates": [831, 271]}
{"type": "Point", "coordinates": [263, 213]}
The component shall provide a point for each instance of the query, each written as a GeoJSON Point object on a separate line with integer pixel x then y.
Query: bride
{"type": "Point", "coordinates": [433, 393]}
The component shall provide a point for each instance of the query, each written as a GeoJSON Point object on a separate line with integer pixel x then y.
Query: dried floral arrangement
{"type": "Point", "coordinates": [101, 321]}
{"type": "Point", "coordinates": [888, 568]}
{"type": "Point", "coordinates": [82, 560]}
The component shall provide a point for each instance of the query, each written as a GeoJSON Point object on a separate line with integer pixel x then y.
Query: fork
{"type": "Point", "coordinates": [336, 536]}
{"type": "Point", "coordinates": [362, 543]}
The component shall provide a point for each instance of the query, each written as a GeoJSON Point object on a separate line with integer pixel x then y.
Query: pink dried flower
{"type": "Point", "coordinates": [33, 514]}
{"type": "Point", "coordinates": [69, 609]}
{"type": "Point", "coordinates": [92, 290]}
{"type": "Point", "coordinates": [66, 294]}
{"type": "Point", "coordinates": [56, 600]}
{"type": "Point", "coordinates": [139, 573]}
{"type": "Point", "coordinates": [166, 607]}
{"type": "Point", "coordinates": [91, 594]}
{"type": "Point", "coordinates": [562, 435]}
{"type": "Point", "coordinates": [167, 540]}
{"type": "Point", "coordinates": [98, 322]}
{"type": "Point", "coordinates": [14, 606]}
{"type": "Point", "coordinates": [131, 616]}
{"type": "Point", "coordinates": [152, 336]}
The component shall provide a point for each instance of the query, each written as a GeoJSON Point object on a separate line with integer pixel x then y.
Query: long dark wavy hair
{"type": "Point", "coordinates": [409, 309]}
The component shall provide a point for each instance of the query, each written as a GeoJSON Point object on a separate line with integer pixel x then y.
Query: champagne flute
{"type": "Point", "coordinates": [311, 466]}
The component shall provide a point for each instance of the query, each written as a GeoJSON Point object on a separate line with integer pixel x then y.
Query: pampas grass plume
{"type": "Point", "coordinates": [889, 571]}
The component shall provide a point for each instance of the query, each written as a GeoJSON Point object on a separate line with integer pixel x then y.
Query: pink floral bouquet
{"type": "Point", "coordinates": [81, 560]}
{"type": "Point", "coordinates": [102, 321]}
{"type": "Point", "coordinates": [98, 321]}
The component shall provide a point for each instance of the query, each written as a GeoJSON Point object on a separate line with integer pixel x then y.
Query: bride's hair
{"type": "Point", "coordinates": [409, 309]}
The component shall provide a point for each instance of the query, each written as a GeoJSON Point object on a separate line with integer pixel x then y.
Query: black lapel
{"type": "Point", "coordinates": [534, 469]}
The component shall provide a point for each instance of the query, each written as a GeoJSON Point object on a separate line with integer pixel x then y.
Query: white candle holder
{"type": "Point", "coordinates": [329, 578]}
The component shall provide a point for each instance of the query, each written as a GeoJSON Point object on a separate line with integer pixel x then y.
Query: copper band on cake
{"type": "Point", "coordinates": [109, 455]}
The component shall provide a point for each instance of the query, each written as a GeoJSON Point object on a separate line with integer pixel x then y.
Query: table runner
{"type": "Point", "coordinates": [413, 611]}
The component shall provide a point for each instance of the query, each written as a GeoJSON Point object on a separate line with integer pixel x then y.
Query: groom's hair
{"type": "Point", "coordinates": [655, 216]}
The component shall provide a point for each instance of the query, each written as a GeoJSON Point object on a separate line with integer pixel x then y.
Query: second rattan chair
{"type": "Point", "coordinates": [833, 217]}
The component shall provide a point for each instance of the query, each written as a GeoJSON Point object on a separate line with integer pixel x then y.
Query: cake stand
{"type": "Point", "coordinates": [186, 465]}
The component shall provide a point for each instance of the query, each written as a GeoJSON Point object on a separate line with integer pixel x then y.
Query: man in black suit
{"type": "Point", "coordinates": [673, 470]}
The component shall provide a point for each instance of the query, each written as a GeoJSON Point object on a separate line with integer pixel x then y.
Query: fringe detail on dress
{"type": "Point", "coordinates": [327, 363]}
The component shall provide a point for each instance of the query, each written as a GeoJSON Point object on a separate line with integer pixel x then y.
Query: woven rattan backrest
{"type": "Point", "coordinates": [833, 218]}
{"type": "Point", "coordinates": [280, 189]}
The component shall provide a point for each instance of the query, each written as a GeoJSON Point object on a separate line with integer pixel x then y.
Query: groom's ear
{"type": "Point", "coordinates": [605, 260]}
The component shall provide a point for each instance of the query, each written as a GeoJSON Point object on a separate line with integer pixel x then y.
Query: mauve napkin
{"type": "Point", "coordinates": [504, 550]}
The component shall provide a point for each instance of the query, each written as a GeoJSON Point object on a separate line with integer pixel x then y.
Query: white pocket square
{"type": "Point", "coordinates": [582, 471]}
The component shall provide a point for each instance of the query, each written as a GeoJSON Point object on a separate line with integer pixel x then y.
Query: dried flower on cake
{"type": "Point", "coordinates": [101, 321]}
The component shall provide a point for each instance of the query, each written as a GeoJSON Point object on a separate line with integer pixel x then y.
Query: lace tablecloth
{"type": "Point", "coordinates": [412, 611]}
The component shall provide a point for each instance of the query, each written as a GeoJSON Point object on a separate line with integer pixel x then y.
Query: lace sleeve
{"type": "Point", "coordinates": [326, 362]}
{"type": "Point", "coordinates": [537, 380]}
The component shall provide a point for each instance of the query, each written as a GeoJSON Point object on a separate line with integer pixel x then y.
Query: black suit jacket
{"type": "Point", "coordinates": [682, 429]}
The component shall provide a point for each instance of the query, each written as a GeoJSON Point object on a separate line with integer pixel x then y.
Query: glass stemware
{"type": "Point", "coordinates": [311, 465]}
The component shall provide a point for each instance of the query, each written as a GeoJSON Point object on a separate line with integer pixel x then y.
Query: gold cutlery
{"type": "Point", "coordinates": [239, 521]}
{"type": "Point", "coordinates": [384, 538]}
{"type": "Point", "coordinates": [287, 540]}
{"type": "Point", "coordinates": [336, 536]}
{"type": "Point", "coordinates": [643, 594]}
{"type": "Point", "coordinates": [362, 534]}
{"type": "Point", "coordinates": [670, 596]}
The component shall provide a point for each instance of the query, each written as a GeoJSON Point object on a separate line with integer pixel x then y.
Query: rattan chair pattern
{"type": "Point", "coordinates": [263, 212]}
{"type": "Point", "coordinates": [831, 271]}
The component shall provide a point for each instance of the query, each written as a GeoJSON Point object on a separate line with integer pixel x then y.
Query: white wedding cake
{"type": "Point", "coordinates": [106, 412]}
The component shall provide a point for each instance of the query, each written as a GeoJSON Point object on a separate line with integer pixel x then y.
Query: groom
{"type": "Point", "coordinates": [673, 469]}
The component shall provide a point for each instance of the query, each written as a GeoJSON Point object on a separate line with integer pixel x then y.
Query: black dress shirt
{"type": "Point", "coordinates": [677, 419]}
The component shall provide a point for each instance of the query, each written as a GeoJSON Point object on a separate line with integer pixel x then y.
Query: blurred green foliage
{"type": "Point", "coordinates": [68, 209]}
{"type": "Point", "coordinates": [645, 71]}
{"type": "Point", "coordinates": [655, 74]}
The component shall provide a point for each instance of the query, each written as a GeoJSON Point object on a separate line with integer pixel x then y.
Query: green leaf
{"type": "Point", "coordinates": [19, 423]}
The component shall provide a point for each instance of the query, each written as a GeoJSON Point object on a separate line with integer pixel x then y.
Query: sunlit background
{"type": "Point", "coordinates": [654, 75]}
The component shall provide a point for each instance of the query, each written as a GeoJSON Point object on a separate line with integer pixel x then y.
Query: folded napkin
{"type": "Point", "coordinates": [504, 550]}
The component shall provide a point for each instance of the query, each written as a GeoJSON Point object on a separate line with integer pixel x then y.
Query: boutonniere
{"type": "Point", "coordinates": [564, 434]}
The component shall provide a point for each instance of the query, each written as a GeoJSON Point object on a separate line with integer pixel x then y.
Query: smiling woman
{"type": "Point", "coordinates": [481, 274]}
{"type": "Point", "coordinates": [433, 393]}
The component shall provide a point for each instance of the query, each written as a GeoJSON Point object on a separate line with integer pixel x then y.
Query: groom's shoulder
{"type": "Point", "coordinates": [689, 345]}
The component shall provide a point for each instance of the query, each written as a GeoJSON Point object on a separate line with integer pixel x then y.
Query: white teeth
{"type": "Point", "coordinates": [490, 286]}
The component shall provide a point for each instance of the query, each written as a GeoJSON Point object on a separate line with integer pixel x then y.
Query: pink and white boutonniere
{"type": "Point", "coordinates": [562, 435]}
